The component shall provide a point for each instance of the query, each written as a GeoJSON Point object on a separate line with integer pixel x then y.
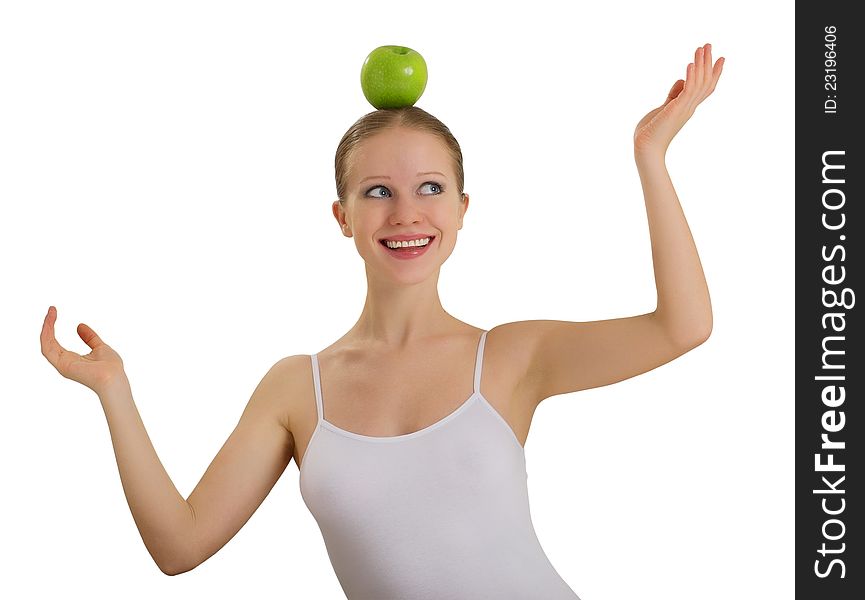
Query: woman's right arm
{"type": "Point", "coordinates": [181, 534]}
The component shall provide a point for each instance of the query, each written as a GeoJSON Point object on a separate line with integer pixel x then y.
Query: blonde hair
{"type": "Point", "coordinates": [379, 120]}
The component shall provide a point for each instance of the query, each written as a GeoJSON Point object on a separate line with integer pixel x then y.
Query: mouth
{"type": "Point", "coordinates": [405, 246]}
{"type": "Point", "coordinates": [407, 251]}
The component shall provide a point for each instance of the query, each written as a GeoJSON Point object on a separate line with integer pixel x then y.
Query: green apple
{"type": "Point", "coordinates": [393, 76]}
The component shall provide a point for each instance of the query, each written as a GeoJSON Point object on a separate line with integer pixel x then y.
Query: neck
{"type": "Point", "coordinates": [401, 315]}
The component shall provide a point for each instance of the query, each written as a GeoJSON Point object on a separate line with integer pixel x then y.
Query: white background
{"type": "Point", "coordinates": [166, 175]}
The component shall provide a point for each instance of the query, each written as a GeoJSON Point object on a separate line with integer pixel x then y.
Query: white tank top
{"type": "Point", "coordinates": [437, 514]}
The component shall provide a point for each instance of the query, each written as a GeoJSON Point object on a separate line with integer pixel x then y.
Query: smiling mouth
{"type": "Point", "coordinates": [407, 248]}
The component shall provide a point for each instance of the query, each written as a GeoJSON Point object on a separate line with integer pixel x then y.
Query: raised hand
{"type": "Point", "coordinates": [656, 130]}
{"type": "Point", "coordinates": [96, 370]}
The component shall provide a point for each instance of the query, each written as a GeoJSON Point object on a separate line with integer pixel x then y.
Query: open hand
{"type": "Point", "coordinates": [656, 130]}
{"type": "Point", "coordinates": [97, 370]}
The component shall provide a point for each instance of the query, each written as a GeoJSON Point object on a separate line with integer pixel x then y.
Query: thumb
{"type": "Point", "coordinates": [89, 336]}
{"type": "Point", "coordinates": [675, 91]}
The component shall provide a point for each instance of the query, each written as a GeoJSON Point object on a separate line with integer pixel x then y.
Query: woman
{"type": "Point", "coordinates": [410, 451]}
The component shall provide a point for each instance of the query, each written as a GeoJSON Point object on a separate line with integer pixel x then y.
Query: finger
{"type": "Point", "coordinates": [675, 90]}
{"type": "Point", "coordinates": [51, 349]}
{"type": "Point", "coordinates": [716, 73]}
{"type": "Point", "coordinates": [699, 65]}
{"type": "Point", "coordinates": [45, 325]}
{"type": "Point", "coordinates": [708, 85]}
{"type": "Point", "coordinates": [89, 336]}
{"type": "Point", "coordinates": [689, 81]}
{"type": "Point", "coordinates": [707, 63]}
{"type": "Point", "coordinates": [701, 75]}
{"type": "Point", "coordinates": [46, 337]}
{"type": "Point", "coordinates": [697, 61]}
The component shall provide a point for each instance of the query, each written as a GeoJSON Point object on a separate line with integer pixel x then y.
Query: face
{"type": "Point", "coordinates": [402, 183]}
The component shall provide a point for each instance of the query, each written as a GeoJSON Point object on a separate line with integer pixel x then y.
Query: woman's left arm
{"type": "Point", "coordinates": [684, 308]}
{"type": "Point", "coordinates": [559, 357]}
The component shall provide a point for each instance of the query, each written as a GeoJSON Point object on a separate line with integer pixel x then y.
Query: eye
{"type": "Point", "coordinates": [436, 186]}
{"type": "Point", "coordinates": [437, 189]}
{"type": "Point", "coordinates": [375, 188]}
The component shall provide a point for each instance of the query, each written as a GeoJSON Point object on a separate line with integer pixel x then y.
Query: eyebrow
{"type": "Point", "coordinates": [386, 177]}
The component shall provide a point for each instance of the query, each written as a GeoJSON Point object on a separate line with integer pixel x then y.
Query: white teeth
{"type": "Point", "coordinates": [421, 242]}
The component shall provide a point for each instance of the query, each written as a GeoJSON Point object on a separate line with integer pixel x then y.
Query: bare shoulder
{"type": "Point", "coordinates": [508, 347]}
{"type": "Point", "coordinates": [287, 380]}
{"type": "Point", "coordinates": [507, 342]}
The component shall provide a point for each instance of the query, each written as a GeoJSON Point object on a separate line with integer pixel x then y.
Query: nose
{"type": "Point", "coordinates": [405, 210]}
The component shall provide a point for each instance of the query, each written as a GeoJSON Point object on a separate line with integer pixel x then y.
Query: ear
{"type": "Point", "coordinates": [464, 206]}
{"type": "Point", "coordinates": [339, 215]}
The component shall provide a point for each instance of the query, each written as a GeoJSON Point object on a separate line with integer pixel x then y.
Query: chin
{"type": "Point", "coordinates": [405, 272]}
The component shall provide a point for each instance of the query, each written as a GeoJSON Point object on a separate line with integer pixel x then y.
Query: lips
{"type": "Point", "coordinates": [383, 241]}
{"type": "Point", "coordinates": [406, 237]}
{"type": "Point", "coordinates": [407, 252]}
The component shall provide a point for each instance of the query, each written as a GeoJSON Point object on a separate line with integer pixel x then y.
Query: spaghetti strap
{"type": "Point", "coordinates": [316, 378]}
{"type": "Point", "coordinates": [479, 362]}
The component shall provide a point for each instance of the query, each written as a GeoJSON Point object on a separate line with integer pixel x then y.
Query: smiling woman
{"type": "Point", "coordinates": [409, 430]}
{"type": "Point", "coordinates": [416, 496]}
{"type": "Point", "coordinates": [399, 180]}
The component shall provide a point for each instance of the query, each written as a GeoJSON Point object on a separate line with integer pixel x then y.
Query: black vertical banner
{"type": "Point", "coordinates": [829, 370]}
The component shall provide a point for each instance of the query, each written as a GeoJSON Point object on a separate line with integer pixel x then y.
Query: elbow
{"type": "Point", "coordinates": [688, 335]}
{"type": "Point", "coordinates": [168, 569]}
{"type": "Point", "coordinates": [705, 330]}
{"type": "Point", "coordinates": [177, 553]}
{"type": "Point", "coordinates": [174, 569]}
{"type": "Point", "coordinates": [175, 565]}
{"type": "Point", "coordinates": [698, 335]}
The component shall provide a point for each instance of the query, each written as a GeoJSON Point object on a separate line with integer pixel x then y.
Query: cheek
{"type": "Point", "coordinates": [446, 214]}
{"type": "Point", "coordinates": [449, 220]}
